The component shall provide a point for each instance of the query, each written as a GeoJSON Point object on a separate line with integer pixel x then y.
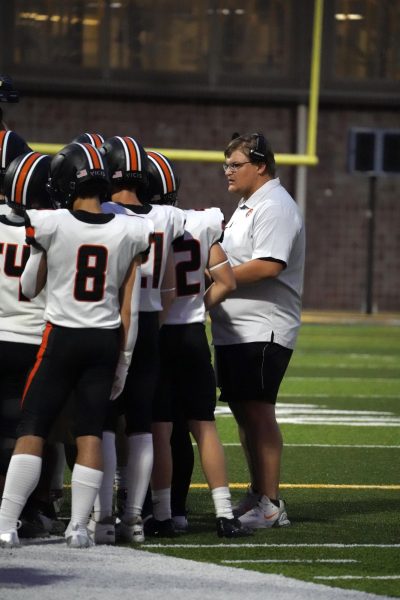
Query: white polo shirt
{"type": "Point", "coordinates": [267, 225]}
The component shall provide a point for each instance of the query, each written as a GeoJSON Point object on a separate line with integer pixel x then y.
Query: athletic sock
{"type": "Point", "coordinates": [161, 504]}
{"type": "Point", "coordinates": [222, 502]}
{"type": "Point", "coordinates": [85, 484]}
{"type": "Point", "coordinates": [22, 477]}
{"type": "Point", "coordinates": [103, 504]}
{"type": "Point", "coordinates": [138, 472]}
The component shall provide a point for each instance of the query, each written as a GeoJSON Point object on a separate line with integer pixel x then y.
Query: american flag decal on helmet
{"type": "Point", "coordinates": [165, 171]}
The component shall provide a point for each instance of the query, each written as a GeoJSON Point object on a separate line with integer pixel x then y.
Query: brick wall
{"type": "Point", "coordinates": [337, 203]}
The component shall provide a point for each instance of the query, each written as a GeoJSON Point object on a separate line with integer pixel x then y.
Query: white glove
{"type": "Point", "coordinates": [120, 374]}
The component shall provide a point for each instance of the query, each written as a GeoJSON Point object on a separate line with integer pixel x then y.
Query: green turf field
{"type": "Point", "coordinates": [340, 414]}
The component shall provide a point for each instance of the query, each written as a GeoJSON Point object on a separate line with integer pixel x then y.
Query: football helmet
{"type": "Point", "coordinates": [127, 161]}
{"type": "Point", "coordinates": [163, 181]}
{"type": "Point", "coordinates": [25, 181]}
{"type": "Point", "coordinates": [72, 169]}
{"type": "Point", "coordinates": [95, 139]}
{"type": "Point", "coordinates": [11, 146]}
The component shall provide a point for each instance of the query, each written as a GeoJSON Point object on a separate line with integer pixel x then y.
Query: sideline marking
{"type": "Point", "coordinates": [268, 545]}
{"type": "Point", "coordinates": [321, 445]}
{"type": "Point", "coordinates": [293, 560]}
{"type": "Point", "coordinates": [311, 486]}
{"type": "Point", "coordinates": [356, 577]}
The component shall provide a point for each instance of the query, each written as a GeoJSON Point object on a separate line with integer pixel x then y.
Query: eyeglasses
{"type": "Point", "coordinates": [235, 166]}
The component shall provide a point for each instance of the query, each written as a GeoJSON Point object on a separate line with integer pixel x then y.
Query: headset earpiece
{"type": "Point", "coordinates": [259, 153]}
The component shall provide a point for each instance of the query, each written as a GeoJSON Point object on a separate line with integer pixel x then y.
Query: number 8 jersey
{"type": "Point", "coordinates": [88, 255]}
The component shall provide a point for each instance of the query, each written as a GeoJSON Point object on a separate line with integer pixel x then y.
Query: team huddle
{"type": "Point", "coordinates": [105, 287]}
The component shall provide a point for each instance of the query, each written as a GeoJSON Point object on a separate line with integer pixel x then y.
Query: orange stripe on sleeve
{"type": "Point", "coordinates": [39, 358]}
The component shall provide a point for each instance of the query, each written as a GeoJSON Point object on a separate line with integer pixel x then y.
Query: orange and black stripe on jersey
{"type": "Point", "coordinates": [165, 171]}
{"type": "Point", "coordinates": [22, 176]}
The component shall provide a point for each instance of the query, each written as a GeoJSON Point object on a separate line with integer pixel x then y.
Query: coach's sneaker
{"type": "Point", "coordinates": [103, 532]}
{"type": "Point", "coordinates": [78, 537]}
{"type": "Point", "coordinates": [232, 528]}
{"type": "Point", "coordinates": [266, 514]}
{"type": "Point", "coordinates": [249, 501]}
{"type": "Point", "coordinates": [9, 539]}
{"type": "Point", "coordinates": [130, 531]}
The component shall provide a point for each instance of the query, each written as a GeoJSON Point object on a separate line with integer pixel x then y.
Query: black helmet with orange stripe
{"type": "Point", "coordinates": [25, 181]}
{"type": "Point", "coordinates": [77, 170]}
{"type": "Point", "coordinates": [11, 146]}
{"type": "Point", "coordinates": [127, 162]}
{"type": "Point", "coordinates": [163, 181]}
{"type": "Point", "coordinates": [95, 139]}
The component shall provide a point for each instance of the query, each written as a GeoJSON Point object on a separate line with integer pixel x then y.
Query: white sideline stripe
{"type": "Point", "coordinates": [292, 560]}
{"type": "Point", "coordinates": [323, 445]}
{"type": "Point", "coordinates": [267, 545]}
{"type": "Point", "coordinates": [356, 577]}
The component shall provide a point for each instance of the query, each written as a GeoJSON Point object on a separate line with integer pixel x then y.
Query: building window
{"type": "Point", "coordinates": [367, 40]}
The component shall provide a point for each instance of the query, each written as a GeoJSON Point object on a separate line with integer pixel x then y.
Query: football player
{"type": "Point", "coordinates": [88, 261]}
{"type": "Point", "coordinates": [11, 146]}
{"type": "Point", "coordinates": [128, 163]}
{"type": "Point", "coordinates": [187, 382]}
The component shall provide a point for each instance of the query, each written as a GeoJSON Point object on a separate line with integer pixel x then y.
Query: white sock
{"type": "Point", "coordinates": [138, 471]}
{"type": "Point", "coordinates": [22, 477]}
{"type": "Point", "coordinates": [85, 484]}
{"type": "Point", "coordinates": [161, 504]}
{"type": "Point", "coordinates": [103, 504]}
{"type": "Point", "coordinates": [222, 502]}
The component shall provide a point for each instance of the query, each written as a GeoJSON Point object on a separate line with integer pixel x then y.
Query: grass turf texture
{"type": "Point", "coordinates": [346, 536]}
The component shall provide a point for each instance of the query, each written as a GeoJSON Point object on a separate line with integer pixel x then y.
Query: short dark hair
{"type": "Point", "coordinates": [256, 147]}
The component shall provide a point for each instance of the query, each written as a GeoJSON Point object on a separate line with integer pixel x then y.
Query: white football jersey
{"type": "Point", "coordinates": [191, 253]}
{"type": "Point", "coordinates": [169, 224]}
{"type": "Point", "coordinates": [21, 319]}
{"type": "Point", "coordinates": [87, 261]}
{"type": "Point", "coordinates": [4, 208]}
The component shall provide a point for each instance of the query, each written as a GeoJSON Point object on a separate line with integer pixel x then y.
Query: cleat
{"type": "Point", "coordinates": [155, 528]}
{"type": "Point", "coordinates": [130, 531]}
{"type": "Point", "coordinates": [249, 501]}
{"type": "Point", "coordinates": [265, 515]}
{"type": "Point", "coordinates": [78, 537]}
{"type": "Point", "coordinates": [9, 539]}
{"type": "Point", "coordinates": [232, 528]}
{"type": "Point", "coordinates": [32, 525]}
{"type": "Point", "coordinates": [103, 532]}
{"type": "Point", "coordinates": [181, 523]}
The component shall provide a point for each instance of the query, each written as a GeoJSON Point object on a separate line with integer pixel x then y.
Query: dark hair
{"type": "Point", "coordinates": [256, 147]}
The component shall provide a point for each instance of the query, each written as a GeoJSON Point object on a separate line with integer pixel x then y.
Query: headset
{"type": "Point", "coordinates": [260, 152]}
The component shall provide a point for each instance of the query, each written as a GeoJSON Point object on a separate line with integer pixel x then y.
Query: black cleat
{"type": "Point", "coordinates": [154, 528]}
{"type": "Point", "coordinates": [232, 528]}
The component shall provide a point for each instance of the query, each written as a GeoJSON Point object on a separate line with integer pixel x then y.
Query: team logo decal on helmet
{"type": "Point", "coordinates": [73, 169]}
{"type": "Point", "coordinates": [25, 181]}
{"type": "Point", "coordinates": [94, 139]}
{"type": "Point", "coordinates": [163, 181]}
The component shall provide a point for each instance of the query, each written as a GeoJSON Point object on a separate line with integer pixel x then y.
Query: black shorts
{"type": "Point", "coordinates": [16, 360]}
{"type": "Point", "coordinates": [252, 371]}
{"type": "Point", "coordinates": [136, 401]}
{"type": "Point", "coordinates": [78, 361]}
{"type": "Point", "coordinates": [187, 381]}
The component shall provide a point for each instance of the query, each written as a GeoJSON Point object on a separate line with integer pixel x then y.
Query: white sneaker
{"type": "Point", "coordinates": [9, 539]}
{"type": "Point", "coordinates": [103, 532]}
{"type": "Point", "coordinates": [78, 537]}
{"type": "Point", "coordinates": [131, 531]}
{"type": "Point", "coordinates": [266, 514]}
{"type": "Point", "coordinates": [249, 501]}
